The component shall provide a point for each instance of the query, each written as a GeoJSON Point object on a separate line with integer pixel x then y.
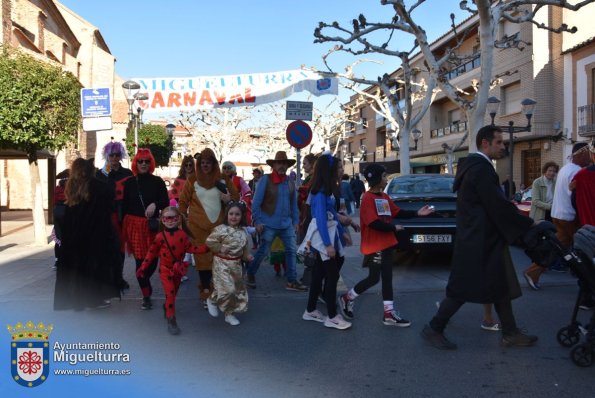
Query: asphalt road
{"type": "Point", "coordinates": [274, 353]}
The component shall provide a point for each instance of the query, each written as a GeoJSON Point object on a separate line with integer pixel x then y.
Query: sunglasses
{"type": "Point", "coordinates": [115, 154]}
{"type": "Point", "coordinates": [143, 161]}
{"type": "Point", "coordinates": [170, 218]}
{"type": "Point", "coordinates": [226, 168]}
{"type": "Point", "coordinates": [188, 165]}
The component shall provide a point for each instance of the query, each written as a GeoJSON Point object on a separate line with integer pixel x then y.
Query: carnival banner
{"type": "Point", "coordinates": [207, 92]}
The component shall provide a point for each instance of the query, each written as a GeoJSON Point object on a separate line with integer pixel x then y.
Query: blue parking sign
{"type": "Point", "coordinates": [96, 102]}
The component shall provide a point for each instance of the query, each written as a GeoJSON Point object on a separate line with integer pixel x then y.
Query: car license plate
{"type": "Point", "coordinates": [443, 238]}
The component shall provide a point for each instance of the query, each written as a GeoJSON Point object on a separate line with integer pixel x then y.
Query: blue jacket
{"type": "Point", "coordinates": [286, 211]}
{"type": "Point", "coordinates": [319, 205]}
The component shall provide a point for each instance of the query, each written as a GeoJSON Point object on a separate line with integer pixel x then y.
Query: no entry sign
{"type": "Point", "coordinates": [299, 134]}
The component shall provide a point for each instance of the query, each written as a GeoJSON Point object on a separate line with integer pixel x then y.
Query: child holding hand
{"type": "Point", "coordinates": [229, 244]}
{"type": "Point", "coordinates": [170, 245]}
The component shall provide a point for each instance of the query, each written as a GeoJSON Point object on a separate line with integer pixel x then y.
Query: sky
{"type": "Point", "coordinates": [186, 38]}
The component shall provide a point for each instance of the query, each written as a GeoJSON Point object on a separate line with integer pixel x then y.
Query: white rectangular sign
{"type": "Point", "coordinates": [299, 110]}
{"type": "Point", "coordinates": [97, 123]}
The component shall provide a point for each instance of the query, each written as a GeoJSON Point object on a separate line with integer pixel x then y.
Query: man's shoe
{"type": "Point", "coordinates": [518, 339]}
{"type": "Point", "coordinates": [296, 287]}
{"type": "Point", "coordinates": [213, 310]}
{"type": "Point", "coordinates": [437, 339]}
{"type": "Point", "coordinates": [345, 306]}
{"type": "Point", "coordinates": [315, 316]}
{"type": "Point", "coordinates": [392, 318]}
{"type": "Point", "coordinates": [337, 322]}
{"type": "Point", "coordinates": [251, 281]}
{"type": "Point", "coordinates": [532, 284]}
{"type": "Point", "coordinates": [147, 304]}
{"type": "Point", "coordinates": [172, 326]}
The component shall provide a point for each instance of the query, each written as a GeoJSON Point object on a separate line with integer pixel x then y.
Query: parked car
{"type": "Point", "coordinates": [435, 232]}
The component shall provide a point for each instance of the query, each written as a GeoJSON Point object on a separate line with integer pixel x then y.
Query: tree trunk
{"type": "Point", "coordinates": [39, 231]}
{"type": "Point", "coordinates": [405, 162]}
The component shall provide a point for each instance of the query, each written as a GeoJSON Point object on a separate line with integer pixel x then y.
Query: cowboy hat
{"type": "Point", "coordinates": [281, 156]}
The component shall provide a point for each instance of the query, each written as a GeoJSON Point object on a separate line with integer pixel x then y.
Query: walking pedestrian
{"type": "Point", "coordinates": [325, 238]}
{"type": "Point", "coordinates": [170, 246]}
{"type": "Point", "coordinates": [275, 214]}
{"type": "Point", "coordinates": [542, 196]}
{"type": "Point", "coordinates": [378, 245]}
{"type": "Point", "coordinates": [229, 244]}
{"type": "Point", "coordinates": [203, 199]}
{"type": "Point", "coordinates": [114, 175]}
{"type": "Point", "coordinates": [487, 222]}
{"type": "Point", "coordinates": [87, 276]}
{"type": "Point", "coordinates": [144, 196]}
{"type": "Point", "coordinates": [347, 194]}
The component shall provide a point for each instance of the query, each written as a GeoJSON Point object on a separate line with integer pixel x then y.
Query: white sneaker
{"type": "Point", "coordinates": [213, 310]}
{"type": "Point", "coordinates": [315, 315]}
{"type": "Point", "coordinates": [337, 322]}
{"type": "Point", "coordinates": [184, 278]}
{"type": "Point", "coordinates": [232, 320]}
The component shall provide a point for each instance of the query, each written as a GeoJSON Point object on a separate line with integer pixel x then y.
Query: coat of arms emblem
{"type": "Point", "coordinates": [29, 353]}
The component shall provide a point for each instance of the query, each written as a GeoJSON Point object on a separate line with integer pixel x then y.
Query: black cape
{"type": "Point", "coordinates": [89, 262]}
{"type": "Point", "coordinates": [482, 269]}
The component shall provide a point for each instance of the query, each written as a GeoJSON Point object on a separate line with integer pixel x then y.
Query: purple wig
{"type": "Point", "coordinates": [112, 147]}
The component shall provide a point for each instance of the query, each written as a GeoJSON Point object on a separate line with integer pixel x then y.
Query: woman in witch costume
{"type": "Point", "coordinates": [89, 262]}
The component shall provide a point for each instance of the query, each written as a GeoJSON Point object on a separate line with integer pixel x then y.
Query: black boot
{"type": "Point", "coordinates": [172, 326]}
{"type": "Point", "coordinates": [147, 303]}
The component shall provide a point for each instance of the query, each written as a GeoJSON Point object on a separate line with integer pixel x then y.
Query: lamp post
{"type": "Point", "coordinates": [131, 91]}
{"type": "Point", "coordinates": [169, 129]}
{"type": "Point", "coordinates": [527, 107]}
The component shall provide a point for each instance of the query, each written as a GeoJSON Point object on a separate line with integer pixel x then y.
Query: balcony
{"type": "Point", "coordinates": [586, 120]}
{"type": "Point", "coordinates": [454, 128]}
{"type": "Point", "coordinates": [362, 126]}
{"type": "Point", "coordinates": [466, 67]}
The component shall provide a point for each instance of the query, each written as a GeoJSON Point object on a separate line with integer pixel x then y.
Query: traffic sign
{"type": "Point", "coordinates": [96, 102]}
{"type": "Point", "coordinates": [299, 134]}
{"type": "Point", "coordinates": [298, 110]}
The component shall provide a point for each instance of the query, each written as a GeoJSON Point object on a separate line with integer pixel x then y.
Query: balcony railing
{"type": "Point", "coordinates": [466, 67]}
{"type": "Point", "coordinates": [586, 119]}
{"type": "Point", "coordinates": [448, 130]}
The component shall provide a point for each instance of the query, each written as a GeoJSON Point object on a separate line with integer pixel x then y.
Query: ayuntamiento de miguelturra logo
{"type": "Point", "coordinates": [30, 353]}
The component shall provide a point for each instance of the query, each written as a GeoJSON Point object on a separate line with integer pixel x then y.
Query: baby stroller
{"type": "Point", "coordinates": [580, 261]}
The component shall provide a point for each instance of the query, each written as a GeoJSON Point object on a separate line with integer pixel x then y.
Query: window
{"type": "Point", "coordinates": [454, 116]}
{"type": "Point", "coordinates": [511, 99]}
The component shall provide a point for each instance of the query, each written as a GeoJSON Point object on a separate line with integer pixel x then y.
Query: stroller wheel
{"type": "Point", "coordinates": [582, 355]}
{"type": "Point", "coordinates": [568, 336]}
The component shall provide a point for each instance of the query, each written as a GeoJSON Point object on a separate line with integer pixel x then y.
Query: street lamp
{"type": "Point", "coordinates": [527, 107]}
{"type": "Point", "coordinates": [348, 157]}
{"type": "Point", "coordinates": [131, 91]}
{"type": "Point", "coordinates": [415, 134]}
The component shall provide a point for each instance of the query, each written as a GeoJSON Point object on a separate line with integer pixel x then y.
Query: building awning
{"type": "Point", "coordinates": [16, 154]}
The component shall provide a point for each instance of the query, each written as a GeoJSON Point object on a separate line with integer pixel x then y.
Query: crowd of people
{"type": "Point", "coordinates": [214, 220]}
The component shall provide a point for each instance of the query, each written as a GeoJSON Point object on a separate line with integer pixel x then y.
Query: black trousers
{"type": "Point", "coordinates": [329, 272]}
{"type": "Point", "coordinates": [450, 306]}
{"type": "Point", "coordinates": [379, 265]}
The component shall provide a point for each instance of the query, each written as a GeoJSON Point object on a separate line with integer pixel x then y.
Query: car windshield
{"type": "Point", "coordinates": [421, 186]}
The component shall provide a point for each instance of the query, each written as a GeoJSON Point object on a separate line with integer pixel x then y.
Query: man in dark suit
{"type": "Point", "coordinates": [487, 222]}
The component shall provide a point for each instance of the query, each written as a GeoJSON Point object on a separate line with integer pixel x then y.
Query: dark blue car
{"type": "Point", "coordinates": [435, 232]}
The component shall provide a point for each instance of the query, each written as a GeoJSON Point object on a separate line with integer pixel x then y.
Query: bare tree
{"type": "Point", "coordinates": [489, 14]}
